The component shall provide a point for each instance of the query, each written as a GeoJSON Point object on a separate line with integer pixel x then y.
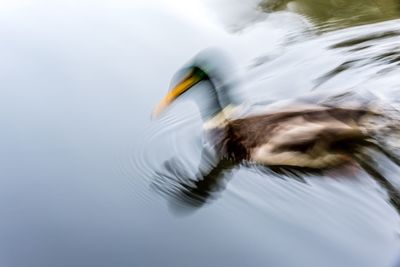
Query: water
{"type": "Point", "coordinates": [79, 152]}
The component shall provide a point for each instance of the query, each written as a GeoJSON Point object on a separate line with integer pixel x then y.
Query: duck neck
{"type": "Point", "coordinates": [209, 104]}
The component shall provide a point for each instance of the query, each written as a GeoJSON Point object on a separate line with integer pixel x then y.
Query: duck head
{"type": "Point", "coordinates": [210, 66]}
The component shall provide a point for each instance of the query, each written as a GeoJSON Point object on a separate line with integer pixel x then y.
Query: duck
{"type": "Point", "coordinates": [313, 136]}
{"type": "Point", "coordinates": [322, 135]}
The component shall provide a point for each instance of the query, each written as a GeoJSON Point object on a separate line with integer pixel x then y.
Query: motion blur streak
{"type": "Point", "coordinates": [83, 164]}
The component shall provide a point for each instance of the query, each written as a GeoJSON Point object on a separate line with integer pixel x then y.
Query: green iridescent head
{"type": "Point", "coordinates": [209, 65]}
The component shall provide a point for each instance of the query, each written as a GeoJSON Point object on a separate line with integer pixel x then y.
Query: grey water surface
{"type": "Point", "coordinates": [79, 152]}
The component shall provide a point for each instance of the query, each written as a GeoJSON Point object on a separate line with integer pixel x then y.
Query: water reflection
{"type": "Point", "coordinates": [323, 15]}
{"type": "Point", "coordinates": [333, 14]}
{"type": "Point", "coordinates": [186, 192]}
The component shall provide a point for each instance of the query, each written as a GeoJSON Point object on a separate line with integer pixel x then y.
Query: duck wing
{"type": "Point", "coordinates": [308, 138]}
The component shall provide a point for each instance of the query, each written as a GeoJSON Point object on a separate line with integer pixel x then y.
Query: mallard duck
{"type": "Point", "coordinates": [313, 136]}
{"type": "Point", "coordinates": [317, 137]}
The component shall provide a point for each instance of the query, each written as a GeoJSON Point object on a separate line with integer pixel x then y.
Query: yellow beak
{"type": "Point", "coordinates": [184, 85]}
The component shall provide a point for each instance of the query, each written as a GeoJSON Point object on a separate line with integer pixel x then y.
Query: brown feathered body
{"type": "Point", "coordinates": [312, 138]}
